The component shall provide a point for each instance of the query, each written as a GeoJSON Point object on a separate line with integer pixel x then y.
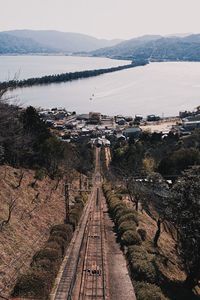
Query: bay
{"type": "Point", "coordinates": [158, 88]}
{"type": "Point", "coordinates": [26, 66]}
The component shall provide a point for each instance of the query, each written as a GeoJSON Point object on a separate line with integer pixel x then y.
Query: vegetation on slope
{"type": "Point", "coordinates": [155, 48]}
{"type": "Point", "coordinates": [141, 263]}
{"type": "Point", "coordinates": [59, 41]}
{"type": "Point", "coordinates": [35, 166]}
{"type": "Point", "coordinates": [157, 272]}
{"type": "Point", "coordinates": [173, 205]}
{"type": "Point", "coordinates": [10, 44]}
{"type": "Point", "coordinates": [38, 281]}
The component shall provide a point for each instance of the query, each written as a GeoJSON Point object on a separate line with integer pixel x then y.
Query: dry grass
{"type": "Point", "coordinates": [37, 209]}
{"type": "Point", "coordinates": [168, 261]}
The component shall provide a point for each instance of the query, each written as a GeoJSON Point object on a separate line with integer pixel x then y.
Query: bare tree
{"type": "Point", "coordinates": [20, 179]}
{"type": "Point", "coordinates": [11, 206]}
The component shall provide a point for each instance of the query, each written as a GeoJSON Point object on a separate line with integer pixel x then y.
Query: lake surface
{"type": "Point", "coordinates": [160, 88]}
{"type": "Point", "coordinates": [24, 67]}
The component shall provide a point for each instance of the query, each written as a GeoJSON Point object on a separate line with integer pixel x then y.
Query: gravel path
{"type": "Point", "coordinates": [120, 285]}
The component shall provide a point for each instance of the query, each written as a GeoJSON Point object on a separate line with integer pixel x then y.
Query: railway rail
{"type": "Point", "coordinates": [93, 283]}
{"type": "Point", "coordinates": [84, 272]}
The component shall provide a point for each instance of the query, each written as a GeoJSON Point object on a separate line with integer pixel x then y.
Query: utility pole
{"type": "Point", "coordinates": [80, 182]}
{"type": "Point", "coordinates": [66, 192]}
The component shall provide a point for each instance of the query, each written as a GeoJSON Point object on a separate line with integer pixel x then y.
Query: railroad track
{"type": "Point", "coordinates": [93, 281]}
{"type": "Point", "coordinates": [84, 275]}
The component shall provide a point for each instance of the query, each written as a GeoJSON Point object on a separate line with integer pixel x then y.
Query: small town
{"type": "Point", "coordinates": [72, 127]}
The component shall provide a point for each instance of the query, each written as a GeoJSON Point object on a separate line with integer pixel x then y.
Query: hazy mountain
{"type": "Point", "coordinates": [64, 41]}
{"type": "Point", "coordinates": [126, 49]}
{"type": "Point", "coordinates": [179, 34]}
{"type": "Point", "coordinates": [152, 47]}
{"type": "Point", "coordinates": [156, 48]}
{"type": "Point", "coordinates": [10, 44]}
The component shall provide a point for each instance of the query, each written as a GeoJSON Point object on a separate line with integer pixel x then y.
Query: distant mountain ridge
{"type": "Point", "coordinates": [182, 47]}
{"type": "Point", "coordinates": [155, 48]}
{"type": "Point", "coordinates": [63, 42]}
{"type": "Point", "coordinates": [10, 44]}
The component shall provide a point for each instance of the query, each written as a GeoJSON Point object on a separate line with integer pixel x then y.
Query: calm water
{"type": "Point", "coordinates": [161, 88]}
{"type": "Point", "coordinates": [24, 67]}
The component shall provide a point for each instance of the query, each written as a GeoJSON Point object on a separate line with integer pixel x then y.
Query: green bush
{"type": "Point", "coordinates": [119, 212]}
{"type": "Point", "coordinates": [35, 284]}
{"type": "Point", "coordinates": [106, 187]}
{"type": "Point", "coordinates": [148, 291]}
{"type": "Point", "coordinates": [75, 214]}
{"type": "Point", "coordinates": [143, 269]}
{"type": "Point", "coordinates": [45, 265]}
{"type": "Point", "coordinates": [58, 239]}
{"type": "Point", "coordinates": [53, 245]}
{"type": "Point", "coordinates": [135, 251]}
{"type": "Point", "coordinates": [77, 210]}
{"type": "Point", "coordinates": [124, 211]}
{"type": "Point", "coordinates": [128, 217]}
{"type": "Point", "coordinates": [62, 227]}
{"type": "Point", "coordinates": [40, 174]}
{"type": "Point", "coordinates": [113, 201]}
{"type": "Point", "coordinates": [142, 233]}
{"type": "Point", "coordinates": [118, 207]}
{"type": "Point", "coordinates": [130, 237]}
{"type": "Point", "coordinates": [73, 220]}
{"type": "Point", "coordinates": [79, 200]}
{"type": "Point", "coordinates": [50, 254]}
{"type": "Point", "coordinates": [126, 225]}
{"type": "Point", "coordinates": [142, 264]}
{"type": "Point", "coordinates": [61, 234]}
{"type": "Point", "coordinates": [78, 207]}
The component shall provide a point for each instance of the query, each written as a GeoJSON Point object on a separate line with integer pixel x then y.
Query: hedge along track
{"type": "Point", "coordinates": [83, 275]}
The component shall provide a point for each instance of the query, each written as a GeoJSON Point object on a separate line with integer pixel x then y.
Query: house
{"type": "Point", "coordinates": [191, 125]}
{"type": "Point", "coordinates": [153, 118]}
{"type": "Point", "coordinates": [121, 122]}
{"type": "Point", "coordinates": [83, 117]}
{"type": "Point", "coordinates": [132, 132]}
{"type": "Point", "coordinates": [138, 118]}
{"type": "Point", "coordinates": [49, 122]}
{"type": "Point", "coordinates": [129, 119]}
{"type": "Point", "coordinates": [120, 136]}
{"type": "Point", "coordinates": [94, 118]}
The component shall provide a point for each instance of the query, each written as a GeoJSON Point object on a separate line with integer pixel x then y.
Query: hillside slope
{"type": "Point", "coordinates": [36, 209]}
{"type": "Point", "coordinates": [156, 48]}
{"type": "Point", "coordinates": [10, 44]}
{"type": "Point", "coordinates": [63, 41]}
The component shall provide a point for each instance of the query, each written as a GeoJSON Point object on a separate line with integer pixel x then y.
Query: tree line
{"type": "Point", "coordinates": [65, 77]}
{"type": "Point", "coordinates": [27, 142]}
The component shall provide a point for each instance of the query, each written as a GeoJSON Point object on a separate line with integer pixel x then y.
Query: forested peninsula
{"type": "Point", "coordinates": [64, 77]}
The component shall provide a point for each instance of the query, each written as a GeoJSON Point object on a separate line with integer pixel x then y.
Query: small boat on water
{"type": "Point", "coordinates": [91, 98]}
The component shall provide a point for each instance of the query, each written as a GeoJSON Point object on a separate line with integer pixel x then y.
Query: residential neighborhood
{"type": "Point", "coordinates": [101, 129]}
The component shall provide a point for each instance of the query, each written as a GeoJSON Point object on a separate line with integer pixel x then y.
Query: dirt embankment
{"type": "Point", "coordinates": [107, 157]}
{"type": "Point", "coordinates": [35, 208]}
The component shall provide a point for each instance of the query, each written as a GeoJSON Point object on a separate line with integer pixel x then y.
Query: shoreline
{"type": "Point", "coordinates": [69, 76]}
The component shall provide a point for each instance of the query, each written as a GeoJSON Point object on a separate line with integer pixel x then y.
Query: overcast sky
{"type": "Point", "coordinates": [103, 18]}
